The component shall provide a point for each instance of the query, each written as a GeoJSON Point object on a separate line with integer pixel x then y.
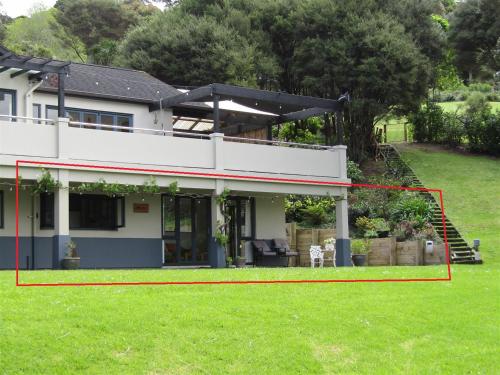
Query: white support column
{"type": "Point", "coordinates": [62, 131]}
{"type": "Point", "coordinates": [217, 254]}
{"type": "Point", "coordinates": [341, 156]}
{"type": "Point", "coordinates": [61, 219]}
{"type": "Point", "coordinates": [343, 243]}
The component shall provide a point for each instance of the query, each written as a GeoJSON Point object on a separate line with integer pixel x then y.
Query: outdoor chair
{"type": "Point", "coordinates": [283, 249]}
{"type": "Point", "coordinates": [330, 249]}
{"type": "Point", "coordinates": [261, 250]}
{"type": "Point", "coordinates": [316, 253]}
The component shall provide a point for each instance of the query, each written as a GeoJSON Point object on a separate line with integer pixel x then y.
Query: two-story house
{"type": "Point", "coordinates": [207, 140]}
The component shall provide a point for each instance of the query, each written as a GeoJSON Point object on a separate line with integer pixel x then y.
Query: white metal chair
{"type": "Point", "coordinates": [316, 254]}
{"type": "Point", "coordinates": [330, 248]}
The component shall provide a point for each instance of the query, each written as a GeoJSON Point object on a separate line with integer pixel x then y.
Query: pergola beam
{"type": "Point", "coordinates": [190, 96]}
{"type": "Point", "coordinates": [304, 114]}
{"type": "Point", "coordinates": [18, 73]}
{"type": "Point", "coordinates": [272, 96]}
{"type": "Point", "coordinates": [25, 63]}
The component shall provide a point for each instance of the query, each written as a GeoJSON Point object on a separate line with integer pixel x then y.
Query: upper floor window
{"type": "Point", "coordinates": [95, 117]}
{"type": "Point", "coordinates": [7, 104]}
{"type": "Point", "coordinates": [37, 112]}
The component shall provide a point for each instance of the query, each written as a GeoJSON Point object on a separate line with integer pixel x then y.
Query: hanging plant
{"type": "Point", "coordinates": [45, 183]}
{"type": "Point", "coordinates": [173, 188]}
{"type": "Point", "coordinates": [150, 186]}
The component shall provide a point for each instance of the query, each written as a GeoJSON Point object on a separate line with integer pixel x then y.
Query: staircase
{"type": "Point", "coordinates": [460, 252]}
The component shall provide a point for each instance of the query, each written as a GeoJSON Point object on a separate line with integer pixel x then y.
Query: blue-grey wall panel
{"type": "Point", "coordinates": [119, 252]}
{"type": "Point", "coordinates": [43, 252]}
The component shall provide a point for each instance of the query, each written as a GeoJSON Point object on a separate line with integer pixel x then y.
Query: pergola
{"type": "Point", "coordinates": [270, 107]}
{"type": "Point", "coordinates": [35, 67]}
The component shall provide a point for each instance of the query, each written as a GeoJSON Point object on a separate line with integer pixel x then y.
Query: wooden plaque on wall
{"type": "Point", "coordinates": [141, 208]}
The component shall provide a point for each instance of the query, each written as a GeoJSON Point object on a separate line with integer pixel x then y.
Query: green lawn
{"type": "Point", "coordinates": [471, 185]}
{"type": "Point", "coordinates": [350, 328]}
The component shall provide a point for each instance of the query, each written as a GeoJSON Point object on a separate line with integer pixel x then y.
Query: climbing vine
{"type": "Point", "coordinates": [45, 183]}
{"type": "Point", "coordinates": [222, 232]}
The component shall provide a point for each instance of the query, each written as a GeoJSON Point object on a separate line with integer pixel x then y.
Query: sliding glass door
{"type": "Point", "coordinates": [186, 230]}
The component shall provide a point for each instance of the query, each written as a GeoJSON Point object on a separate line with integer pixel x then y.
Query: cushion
{"type": "Point", "coordinates": [281, 244]}
{"type": "Point", "coordinates": [261, 246]}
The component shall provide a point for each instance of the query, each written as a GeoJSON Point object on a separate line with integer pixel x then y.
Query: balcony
{"type": "Point", "coordinates": [74, 142]}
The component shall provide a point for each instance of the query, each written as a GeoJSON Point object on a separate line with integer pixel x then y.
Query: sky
{"type": "Point", "coordinates": [14, 8]}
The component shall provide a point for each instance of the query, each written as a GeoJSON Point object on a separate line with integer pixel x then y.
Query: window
{"type": "Point", "coordinates": [37, 112]}
{"type": "Point", "coordinates": [47, 211]}
{"type": "Point", "coordinates": [1, 210]}
{"type": "Point", "coordinates": [7, 104]}
{"type": "Point", "coordinates": [94, 117]}
{"type": "Point", "coordinates": [89, 211]}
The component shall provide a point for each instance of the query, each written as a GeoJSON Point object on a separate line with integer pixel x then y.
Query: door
{"type": "Point", "coordinates": [186, 230]}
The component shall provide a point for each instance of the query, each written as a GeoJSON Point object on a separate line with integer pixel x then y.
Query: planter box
{"type": "Point", "coordinates": [410, 253]}
{"type": "Point", "coordinates": [382, 252]}
{"type": "Point", "coordinates": [438, 257]}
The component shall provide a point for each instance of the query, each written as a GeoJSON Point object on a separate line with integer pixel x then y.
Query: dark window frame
{"type": "Point", "coordinates": [14, 101]}
{"type": "Point", "coordinates": [2, 209]}
{"type": "Point", "coordinates": [44, 206]}
{"type": "Point", "coordinates": [118, 220]}
{"type": "Point", "coordinates": [81, 112]}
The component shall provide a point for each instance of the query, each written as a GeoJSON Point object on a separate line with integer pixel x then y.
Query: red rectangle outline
{"type": "Point", "coordinates": [229, 176]}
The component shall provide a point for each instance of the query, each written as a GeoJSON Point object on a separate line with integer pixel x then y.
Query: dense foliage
{"type": "Point", "coordinates": [475, 36]}
{"type": "Point", "coordinates": [476, 126]}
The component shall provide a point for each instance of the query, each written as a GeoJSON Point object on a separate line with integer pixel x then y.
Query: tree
{"type": "Point", "coordinates": [39, 35]}
{"type": "Point", "coordinates": [474, 34]}
{"type": "Point", "coordinates": [190, 51]}
{"type": "Point", "coordinates": [96, 22]}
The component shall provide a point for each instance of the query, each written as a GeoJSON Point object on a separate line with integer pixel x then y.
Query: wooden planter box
{"type": "Point", "coordinates": [382, 252]}
{"type": "Point", "coordinates": [410, 253]}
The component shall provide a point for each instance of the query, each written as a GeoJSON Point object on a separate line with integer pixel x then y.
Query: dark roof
{"type": "Point", "coordinates": [112, 83]}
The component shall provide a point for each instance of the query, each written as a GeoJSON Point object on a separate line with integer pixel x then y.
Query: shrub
{"type": "Point", "coordinates": [412, 208]}
{"type": "Point", "coordinates": [354, 172]}
{"type": "Point", "coordinates": [490, 134]}
{"type": "Point", "coordinates": [360, 246]}
{"type": "Point", "coordinates": [453, 130]}
{"type": "Point", "coordinates": [484, 88]}
{"type": "Point", "coordinates": [427, 123]}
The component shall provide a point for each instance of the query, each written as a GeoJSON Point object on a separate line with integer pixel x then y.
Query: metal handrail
{"type": "Point", "coordinates": [291, 144]}
{"type": "Point", "coordinates": [174, 133]}
{"type": "Point", "coordinates": [136, 129]}
{"type": "Point", "coordinates": [30, 118]}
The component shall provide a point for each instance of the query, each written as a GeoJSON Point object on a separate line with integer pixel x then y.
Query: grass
{"type": "Point", "coordinates": [350, 328]}
{"type": "Point", "coordinates": [471, 189]}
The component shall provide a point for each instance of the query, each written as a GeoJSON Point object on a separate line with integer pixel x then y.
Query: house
{"type": "Point", "coordinates": [206, 140]}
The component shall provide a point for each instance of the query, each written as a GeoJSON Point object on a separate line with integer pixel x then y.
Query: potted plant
{"type": "Point", "coordinates": [329, 244]}
{"type": "Point", "coordinates": [360, 249]}
{"type": "Point", "coordinates": [71, 261]}
{"type": "Point", "coordinates": [240, 260]}
{"type": "Point", "coordinates": [229, 262]}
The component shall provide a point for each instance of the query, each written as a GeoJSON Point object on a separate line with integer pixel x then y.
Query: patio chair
{"type": "Point", "coordinates": [261, 251]}
{"type": "Point", "coordinates": [283, 249]}
{"type": "Point", "coordinates": [316, 253]}
{"type": "Point", "coordinates": [330, 249]}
